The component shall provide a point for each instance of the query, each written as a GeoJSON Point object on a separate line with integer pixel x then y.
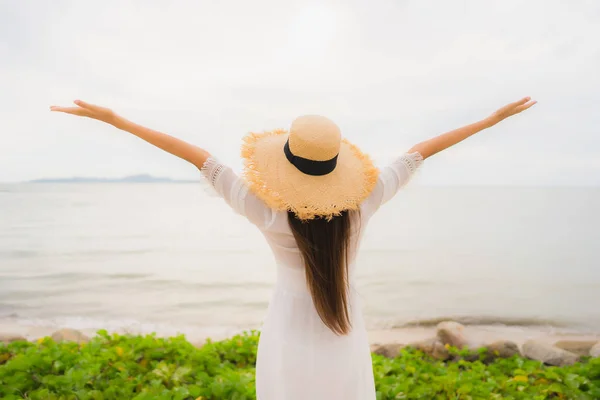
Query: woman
{"type": "Point", "coordinates": [311, 194]}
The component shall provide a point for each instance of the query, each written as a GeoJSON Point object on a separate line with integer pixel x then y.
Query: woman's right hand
{"type": "Point", "coordinates": [170, 144]}
{"type": "Point", "coordinates": [84, 109]}
{"type": "Point", "coordinates": [512, 109]}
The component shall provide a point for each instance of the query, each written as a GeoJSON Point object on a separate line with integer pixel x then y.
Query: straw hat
{"type": "Point", "coordinates": [309, 170]}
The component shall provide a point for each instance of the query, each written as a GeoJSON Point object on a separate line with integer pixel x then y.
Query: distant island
{"type": "Point", "coordinates": [143, 178]}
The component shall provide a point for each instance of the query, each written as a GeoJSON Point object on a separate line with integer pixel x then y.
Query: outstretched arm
{"type": "Point", "coordinates": [170, 144]}
{"type": "Point", "coordinates": [448, 139]}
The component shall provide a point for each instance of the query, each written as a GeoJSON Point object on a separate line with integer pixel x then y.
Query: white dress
{"type": "Point", "coordinates": [299, 358]}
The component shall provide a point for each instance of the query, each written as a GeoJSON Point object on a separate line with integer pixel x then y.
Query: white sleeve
{"type": "Point", "coordinates": [391, 179]}
{"type": "Point", "coordinates": [234, 191]}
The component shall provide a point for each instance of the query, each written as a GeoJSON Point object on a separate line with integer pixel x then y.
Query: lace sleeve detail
{"type": "Point", "coordinates": [223, 182]}
{"type": "Point", "coordinates": [412, 161]}
{"type": "Point", "coordinates": [211, 169]}
{"type": "Point", "coordinates": [399, 173]}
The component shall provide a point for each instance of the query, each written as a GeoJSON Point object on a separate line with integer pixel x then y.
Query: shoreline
{"type": "Point", "coordinates": [401, 335]}
{"type": "Point", "coordinates": [483, 334]}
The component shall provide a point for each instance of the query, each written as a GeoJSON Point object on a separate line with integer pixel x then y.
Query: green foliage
{"type": "Point", "coordinates": [147, 367]}
{"type": "Point", "coordinates": [414, 375]}
{"type": "Point", "coordinates": [129, 367]}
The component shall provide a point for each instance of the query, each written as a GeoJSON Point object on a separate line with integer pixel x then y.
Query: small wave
{"type": "Point", "coordinates": [19, 254]}
{"type": "Point", "coordinates": [106, 252]}
{"type": "Point", "coordinates": [79, 204]}
{"type": "Point", "coordinates": [70, 277]}
{"type": "Point", "coordinates": [131, 275]}
{"type": "Point", "coordinates": [408, 283]}
{"type": "Point", "coordinates": [484, 320]}
{"type": "Point", "coordinates": [62, 276]}
{"type": "Point", "coordinates": [205, 285]}
{"type": "Point", "coordinates": [38, 327]}
{"type": "Point", "coordinates": [12, 254]}
{"type": "Point", "coordinates": [216, 303]}
{"type": "Point", "coordinates": [8, 311]}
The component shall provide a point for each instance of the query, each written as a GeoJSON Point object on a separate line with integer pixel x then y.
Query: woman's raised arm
{"type": "Point", "coordinates": [448, 139]}
{"type": "Point", "coordinates": [170, 144]}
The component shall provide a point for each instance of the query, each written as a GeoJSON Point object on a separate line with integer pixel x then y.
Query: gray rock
{"type": "Point", "coordinates": [390, 350]}
{"type": "Point", "coordinates": [595, 351]}
{"type": "Point", "coordinates": [452, 333]}
{"type": "Point", "coordinates": [69, 335]}
{"type": "Point", "coordinates": [440, 352]}
{"type": "Point", "coordinates": [8, 338]}
{"type": "Point", "coordinates": [548, 354]}
{"type": "Point", "coordinates": [426, 345]}
{"type": "Point", "coordinates": [579, 347]}
{"type": "Point", "coordinates": [499, 349]}
{"type": "Point", "coordinates": [434, 347]}
{"type": "Point", "coordinates": [503, 349]}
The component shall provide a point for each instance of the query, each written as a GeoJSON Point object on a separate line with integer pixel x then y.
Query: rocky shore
{"type": "Point", "coordinates": [550, 348]}
{"type": "Point", "coordinates": [557, 350]}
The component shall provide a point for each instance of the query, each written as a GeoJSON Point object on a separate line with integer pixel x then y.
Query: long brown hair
{"type": "Point", "coordinates": [323, 245]}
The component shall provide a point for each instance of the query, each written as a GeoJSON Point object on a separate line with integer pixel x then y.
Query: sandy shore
{"type": "Point", "coordinates": [478, 333]}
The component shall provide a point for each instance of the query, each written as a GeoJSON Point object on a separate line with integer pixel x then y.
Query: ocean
{"type": "Point", "coordinates": [169, 258]}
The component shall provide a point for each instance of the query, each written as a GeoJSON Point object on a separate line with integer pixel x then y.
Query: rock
{"type": "Point", "coordinates": [452, 333]}
{"type": "Point", "coordinates": [69, 335]}
{"type": "Point", "coordinates": [426, 346]}
{"type": "Point", "coordinates": [434, 347]}
{"type": "Point", "coordinates": [390, 350]}
{"type": "Point", "coordinates": [459, 336]}
{"type": "Point", "coordinates": [503, 349]}
{"type": "Point", "coordinates": [440, 352]}
{"type": "Point", "coordinates": [7, 338]}
{"type": "Point", "coordinates": [548, 354]}
{"type": "Point", "coordinates": [499, 349]}
{"type": "Point", "coordinates": [595, 351]}
{"type": "Point", "coordinates": [579, 347]}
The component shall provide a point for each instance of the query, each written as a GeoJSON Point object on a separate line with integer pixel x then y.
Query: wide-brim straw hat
{"type": "Point", "coordinates": [309, 170]}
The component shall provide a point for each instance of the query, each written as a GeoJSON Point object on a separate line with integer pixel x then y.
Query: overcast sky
{"type": "Point", "coordinates": [390, 73]}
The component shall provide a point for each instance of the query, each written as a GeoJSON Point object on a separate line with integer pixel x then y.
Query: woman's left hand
{"type": "Point", "coordinates": [512, 109]}
{"type": "Point", "coordinates": [84, 109]}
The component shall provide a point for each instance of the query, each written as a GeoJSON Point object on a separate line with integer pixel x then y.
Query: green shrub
{"type": "Point", "coordinates": [413, 375]}
{"type": "Point", "coordinates": [147, 367]}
